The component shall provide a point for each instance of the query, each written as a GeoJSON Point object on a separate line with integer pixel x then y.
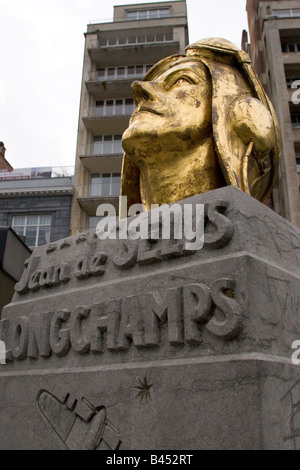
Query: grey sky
{"type": "Point", "coordinates": [41, 50]}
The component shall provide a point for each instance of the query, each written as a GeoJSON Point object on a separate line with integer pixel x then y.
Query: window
{"type": "Point", "coordinates": [93, 221]}
{"type": "Point", "coordinates": [295, 118]}
{"type": "Point", "coordinates": [107, 144]}
{"type": "Point", "coordinates": [36, 228]}
{"type": "Point", "coordinates": [105, 184]}
{"type": "Point", "coordinates": [291, 80]}
{"type": "Point", "coordinates": [148, 14]}
{"type": "Point", "coordinates": [123, 72]}
{"type": "Point", "coordinates": [289, 13]}
{"type": "Point", "coordinates": [120, 71]}
{"type": "Point", "coordinates": [290, 46]}
{"type": "Point", "coordinates": [114, 107]}
{"type": "Point", "coordinates": [140, 39]}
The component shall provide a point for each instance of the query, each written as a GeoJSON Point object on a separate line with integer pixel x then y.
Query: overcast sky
{"type": "Point", "coordinates": [41, 52]}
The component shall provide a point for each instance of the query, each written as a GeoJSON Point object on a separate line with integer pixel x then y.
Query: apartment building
{"type": "Point", "coordinates": [274, 28]}
{"type": "Point", "coordinates": [116, 54]}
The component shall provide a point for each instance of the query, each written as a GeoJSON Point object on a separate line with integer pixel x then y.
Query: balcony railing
{"type": "Point", "coordinates": [121, 20]}
{"type": "Point", "coordinates": [90, 150]}
{"type": "Point", "coordinates": [119, 73]}
{"type": "Point", "coordinates": [94, 112]}
{"type": "Point", "coordinates": [90, 191]}
{"type": "Point", "coordinates": [132, 41]}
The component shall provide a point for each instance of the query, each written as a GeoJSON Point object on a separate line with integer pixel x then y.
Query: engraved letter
{"type": "Point", "coordinates": [227, 328]}
{"type": "Point", "coordinates": [79, 339]}
{"type": "Point", "coordinates": [223, 225]}
{"type": "Point", "coordinates": [60, 338]}
{"type": "Point", "coordinates": [39, 335]}
{"type": "Point", "coordinates": [197, 308]}
{"type": "Point", "coordinates": [97, 327]}
{"type": "Point", "coordinates": [97, 264]}
{"type": "Point", "coordinates": [31, 265]}
{"type": "Point", "coordinates": [131, 327]}
{"type": "Point", "coordinates": [19, 335]}
{"type": "Point", "coordinates": [158, 309]}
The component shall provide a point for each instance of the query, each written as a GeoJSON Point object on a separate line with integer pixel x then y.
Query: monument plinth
{"type": "Point", "coordinates": [141, 344]}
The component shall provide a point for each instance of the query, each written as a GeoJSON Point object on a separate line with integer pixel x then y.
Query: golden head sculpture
{"type": "Point", "coordinates": [202, 121]}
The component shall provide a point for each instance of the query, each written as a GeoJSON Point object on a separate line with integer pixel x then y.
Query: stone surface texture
{"type": "Point", "coordinates": [122, 344]}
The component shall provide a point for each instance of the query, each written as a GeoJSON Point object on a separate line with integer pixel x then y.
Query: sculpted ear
{"type": "Point", "coordinates": [253, 122]}
{"type": "Point", "coordinates": [254, 125]}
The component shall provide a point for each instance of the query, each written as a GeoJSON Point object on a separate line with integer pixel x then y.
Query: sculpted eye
{"type": "Point", "coordinates": [183, 80]}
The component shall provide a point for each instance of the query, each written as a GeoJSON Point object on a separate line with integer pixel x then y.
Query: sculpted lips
{"type": "Point", "coordinates": [146, 109]}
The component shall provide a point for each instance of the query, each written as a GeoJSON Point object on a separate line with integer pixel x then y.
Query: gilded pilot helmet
{"type": "Point", "coordinates": [245, 127]}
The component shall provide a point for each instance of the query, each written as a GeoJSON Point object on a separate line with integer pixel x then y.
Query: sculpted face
{"type": "Point", "coordinates": [173, 112]}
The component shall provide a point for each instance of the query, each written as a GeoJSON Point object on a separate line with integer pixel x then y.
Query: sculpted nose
{"type": "Point", "coordinates": [143, 91]}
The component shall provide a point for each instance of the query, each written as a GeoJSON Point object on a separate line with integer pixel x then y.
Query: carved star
{"type": "Point", "coordinates": [143, 389]}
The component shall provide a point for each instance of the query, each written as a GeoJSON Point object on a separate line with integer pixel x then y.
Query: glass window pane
{"type": "Point", "coordinates": [132, 15]}
{"type": "Point", "coordinates": [102, 42]}
{"type": "Point", "coordinates": [44, 236]}
{"type": "Point", "coordinates": [18, 220]}
{"type": "Point", "coordinates": [148, 67]}
{"type": "Point", "coordinates": [129, 106]}
{"type": "Point", "coordinates": [141, 39]}
{"type": "Point", "coordinates": [93, 221]}
{"type": "Point", "coordinates": [97, 145]}
{"type": "Point", "coordinates": [119, 107]}
{"type": "Point", "coordinates": [101, 73]}
{"type": "Point", "coordinates": [164, 13]}
{"type": "Point", "coordinates": [169, 37]}
{"type": "Point", "coordinates": [32, 220]}
{"type": "Point", "coordinates": [112, 41]}
{"type": "Point", "coordinates": [116, 184]}
{"type": "Point", "coordinates": [120, 71]}
{"type": "Point", "coordinates": [95, 184]}
{"type": "Point", "coordinates": [139, 70]}
{"type": "Point", "coordinates": [45, 219]}
{"type": "Point", "coordinates": [122, 40]}
{"type": "Point", "coordinates": [150, 38]}
{"type": "Point", "coordinates": [19, 230]}
{"type": "Point", "coordinates": [99, 109]}
{"type": "Point", "coordinates": [31, 236]}
{"type": "Point", "coordinates": [142, 15]}
{"type": "Point", "coordinates": [107, 144]}
{"type": "Point", "coordinates": [132, 40]}
{"type": "Point", "coordinates": [159, 37]}
{"type": "Point", "coordinates": [109, 108]}
{"type": "Point", "coordinates": [130, 69]}
{"type": "Point", "coordinates": [111, 72]}
{"type": "Point", "coordinates": [153, 14]}
{"type": "Point", "coordinates": [105, 184]}
{"type": "Point", "coordinates": [117, 144]}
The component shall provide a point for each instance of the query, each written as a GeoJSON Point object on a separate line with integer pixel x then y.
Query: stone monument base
{"type": "Point", "coordinates": [141, 344]}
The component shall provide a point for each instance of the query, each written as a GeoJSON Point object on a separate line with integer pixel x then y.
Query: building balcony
{"type": "Point", "coordinates": [100, 163]}
{"type": "Point", "coordinates": [291, 57]}
{"type": "Point", "coordinates": [120, 54]}
{"type": "Point", "coordinates": [103, 124]}
{"type": "Point", "coordinates": [106, 88]}
{"type": "Point", "coordinates": [90, 203]}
